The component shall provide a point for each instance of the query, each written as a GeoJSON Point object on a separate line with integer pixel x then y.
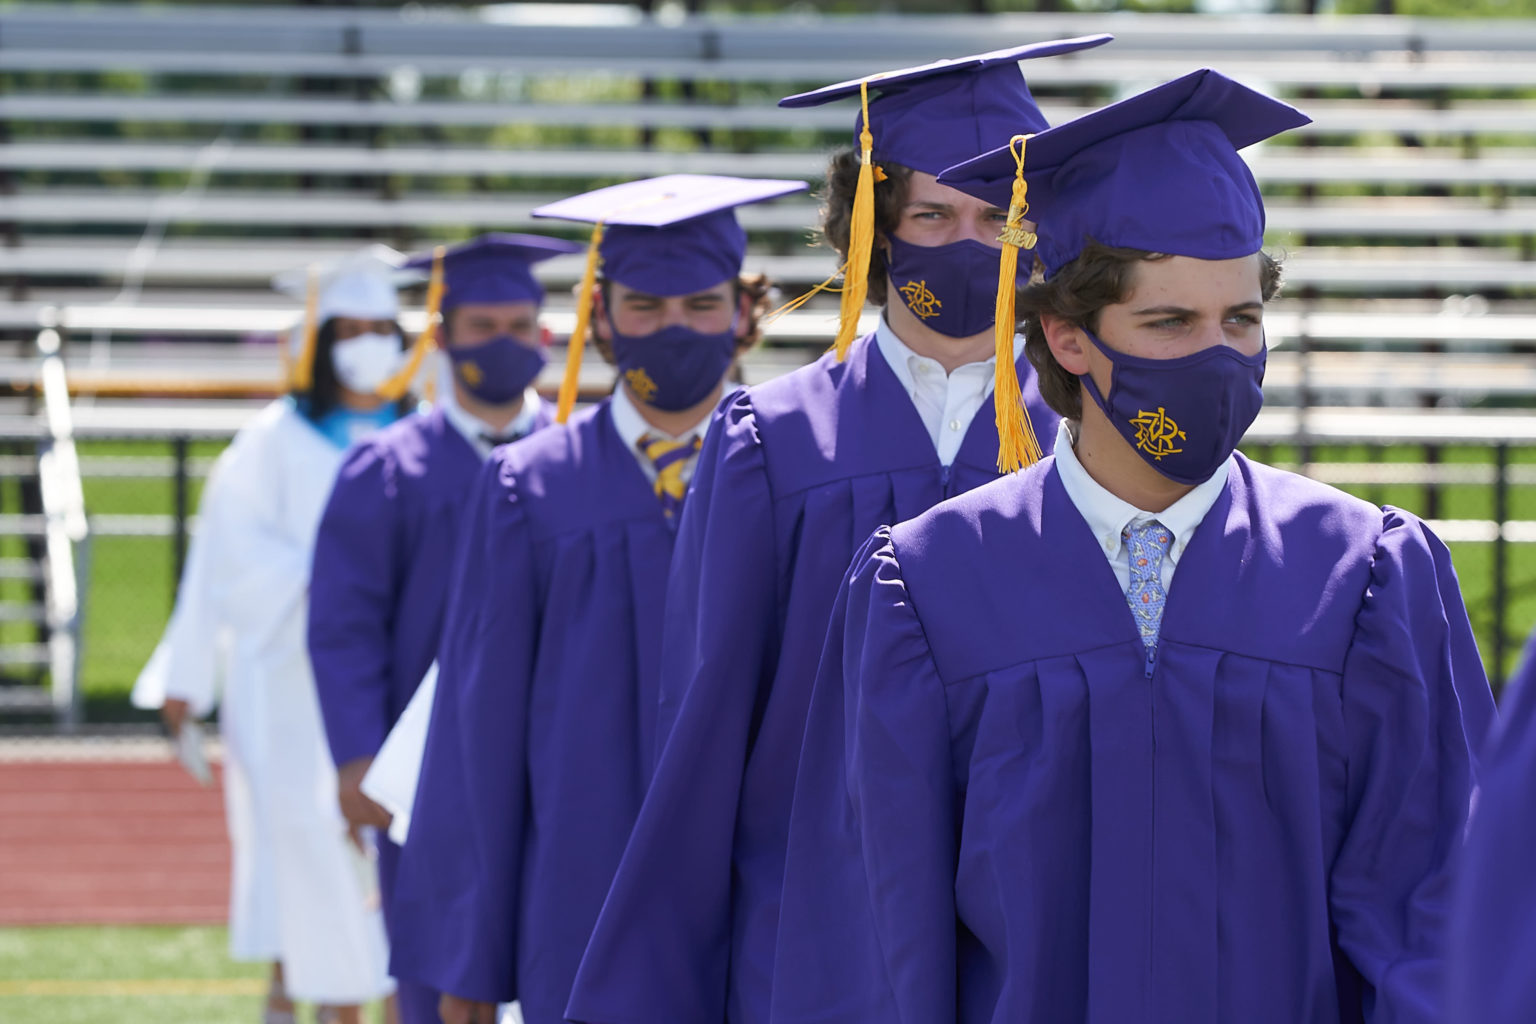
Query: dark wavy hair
{"type": "Point", "coordinates": [837, 211]}
{"type": "Point", "coordinates": [1100, 276]}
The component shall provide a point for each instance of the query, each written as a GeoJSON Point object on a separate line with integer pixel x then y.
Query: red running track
{"type": "Point", "coordinates": [97, 840]}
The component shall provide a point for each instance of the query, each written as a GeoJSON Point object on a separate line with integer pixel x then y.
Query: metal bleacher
{"type": "Point", "coordinates": [253, 139]}
{"type": "Point", "coordinates": [158, 164]}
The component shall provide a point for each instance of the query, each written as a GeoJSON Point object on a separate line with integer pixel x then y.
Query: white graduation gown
{"type": "Point", "coordinates": [300, 893]}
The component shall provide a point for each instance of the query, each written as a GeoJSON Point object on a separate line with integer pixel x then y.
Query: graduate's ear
{"type": "Point", "coordinates": [1068, 344]}
{"type": "Point", "coordinates": [745, 322]}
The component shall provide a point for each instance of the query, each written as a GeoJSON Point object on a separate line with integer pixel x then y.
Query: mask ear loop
{"type": "Point", "coordinates": [1017, 445]}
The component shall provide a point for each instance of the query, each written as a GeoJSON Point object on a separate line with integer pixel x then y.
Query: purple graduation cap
{"type": "Point", "coordinates": [1159, 172]}
{"type": "Point", "coordinates": [488, 269]}
{"type": "Point", "coordinates": [672, 235]}
{"type": "Point", "coordinates": [934, 116]}
{"type": "Point", "coordinates": [496, 267]}
{"type": "Point", "coordinates": [928, 118]}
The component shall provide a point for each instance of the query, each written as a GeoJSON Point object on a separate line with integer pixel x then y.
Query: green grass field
{"type": "Point", "coordinates": [126, 975]}
{"type": "Point", "coordinates": [131, 578]}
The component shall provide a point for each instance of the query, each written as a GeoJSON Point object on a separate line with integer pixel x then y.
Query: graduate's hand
{"type": "Point", "coordinates": [355, 805]}
{"type": "Point", "coordinates": [174, 713]}
{"type": "Point", "coordinates": [454, 1010]}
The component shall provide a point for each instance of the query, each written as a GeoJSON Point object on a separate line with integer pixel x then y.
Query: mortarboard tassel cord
{"type": "Point", "coordinates": [1017, 445]}
{"type": "Point", "coordinates": [861, 237]}
{"type": "Point", "coordinates": [300, 370]}
{"type": "Point", "coordinates": [578, 341]}
{"type": "Point", "coordinates": [395, 388]}
{"type": "Point", "coordinates": [861, 240]}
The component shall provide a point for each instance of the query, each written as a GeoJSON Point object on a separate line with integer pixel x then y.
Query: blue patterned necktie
{"type": "Point", "coordinates": [669, 457]}
{"type": "Point", "coordinates": [1147, 543]}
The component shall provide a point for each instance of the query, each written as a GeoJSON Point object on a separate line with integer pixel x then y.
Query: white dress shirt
{"type": "Point", "coordinates": [1107, 516]}
{"type": "Point", "coordinates": [632, 426]}
{"type": "Point", "coordinates": [946, 403]}
{"type": "Point", "coordinates": [473, 427]}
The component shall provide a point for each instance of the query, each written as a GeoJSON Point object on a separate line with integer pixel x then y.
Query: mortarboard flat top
{"type": "Point", "coordinates": [1158, 172]}
{"type": "Point", "coordinates": [361, 284]}
{"type": "Point", "coordinates": [667, 200]}
{"type": "Point", "coordinates": [935, 115]}
{"type": "Point", "coordinates": [996, 58]}
{"type": "Point", "coordinates": [494, 268]}
{"type": "Point", "coordinates": [672, 235]}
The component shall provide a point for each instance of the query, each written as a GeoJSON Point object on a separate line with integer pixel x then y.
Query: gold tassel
{"type": "Point", "coordinates": [394, 389]}
{"type": "Point", "coordinates": [578, 340]}
{"type": "Point", "coordinates": [861, 238]}
{"type": "Point", "coordinates": [1017, 445]}
{"type": "Point", "coordinates": [300, 370]}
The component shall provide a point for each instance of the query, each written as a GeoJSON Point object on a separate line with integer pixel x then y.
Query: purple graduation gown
{"type": "Point", "coordinates": [794, 475]}
{"type": "Point", "coordinates": [1005, 814]}
{"type": "Point", "coordinates": [1493, 930]}
{"type": "Point", "coordinates": [541, 738]}
{"type": "Point", "coordinates": [380, 575]}
{"type": "Point", "coordinates": [378, 586]}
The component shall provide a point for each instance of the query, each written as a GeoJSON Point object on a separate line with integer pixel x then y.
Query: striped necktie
{"type": "Point", "coordinates": [669, 457]}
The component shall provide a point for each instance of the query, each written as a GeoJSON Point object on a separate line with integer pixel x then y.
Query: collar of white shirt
{"type": "Point", "coordinates": [942, 400]}
{"type": "Point", "coordinates": [1108, 516]}
{"type": "Point", "coordinates": [473, 427]}
{"type": "Point", "coordinates": [910, 367]}
{"type": "Point", "coordinates": [632, 426]}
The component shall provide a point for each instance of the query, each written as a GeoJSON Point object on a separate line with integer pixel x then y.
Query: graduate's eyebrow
{"type": "Point", "coordinates": [1241, 307]}
{"type": "Point", "coordinates": [928, 204]}
{"type": "Point", "coordinates": [1164, 311]}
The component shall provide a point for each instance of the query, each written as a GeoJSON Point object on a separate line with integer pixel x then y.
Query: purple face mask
{"type": "Point", "coordinates": [497, 371]}
{"type": "Point", "coordinates": [1183, 416]}
{"type": "Point", "coordinates": [951, 288]}
{"type": "Point", "coordinates": [674, 368]}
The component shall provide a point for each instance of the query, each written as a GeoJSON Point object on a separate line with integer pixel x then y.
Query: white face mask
{"type": "Point", "coordinates": [365, 362]}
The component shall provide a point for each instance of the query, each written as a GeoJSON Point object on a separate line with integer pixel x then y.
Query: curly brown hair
{"type": "Point", "coordinates": [837, 210]}
{"type": "Point", "coordinates": [759, 287]}
{"type": "Point", "coordinates": [1100, 276]}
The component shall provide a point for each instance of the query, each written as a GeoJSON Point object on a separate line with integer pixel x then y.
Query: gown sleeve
{"type": "Point", "coordinates": [660, 949]}
{"type": "Point", "coordinates": [1413, 695]}
{"type": "Point", "coordinates": [188, 662]}
{"type": "Point", "coordinates": [1494, 926]}
{"type": "Point", "coordinates": [457, 893]}
{"type": "Point", "coordinates": [352, 603]}
{"type": "Point", "coordinates": [867, 925]}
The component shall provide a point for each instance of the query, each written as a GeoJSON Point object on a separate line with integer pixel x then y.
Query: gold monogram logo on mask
{"type": "Point", "coordinates": [920, 300]}
{"type": "Point", "coordinates": [640, 383]}
{"type": "Point", "coordinates": [471, 373]}
{"type": "Point", "coordinates": [1156, 433]}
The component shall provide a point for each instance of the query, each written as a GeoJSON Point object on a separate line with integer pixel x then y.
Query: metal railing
{"type": "Point", "coordinates": [66, 531]}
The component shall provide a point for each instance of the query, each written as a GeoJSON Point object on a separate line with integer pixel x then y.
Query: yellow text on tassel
{"type": "Point", "coordinates": [578, 341]}
{"type": "Point", "coordinates": [1017, 445]}
{"type": "Point", "coordinates": [394, 389]}
{"type": "Point", "coordinates": [301, 368]}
